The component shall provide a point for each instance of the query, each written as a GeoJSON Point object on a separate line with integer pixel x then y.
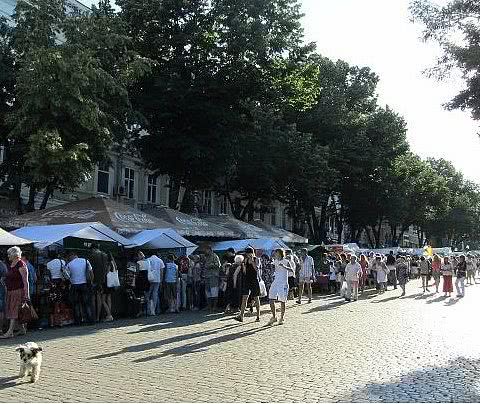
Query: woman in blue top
{"type": "Point", "coordinates": [170, 282]}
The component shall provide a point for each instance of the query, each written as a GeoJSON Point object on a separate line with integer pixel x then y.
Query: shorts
{"type": "Point", "coordinates": [278, 291]}
{"type": "Point", "coordinates": [250, 287]}
{"type": "Point", "coordinates": [305, 280]}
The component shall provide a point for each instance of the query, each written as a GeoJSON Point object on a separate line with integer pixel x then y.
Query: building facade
{"type": "Point", "coordinates": [7, 7]}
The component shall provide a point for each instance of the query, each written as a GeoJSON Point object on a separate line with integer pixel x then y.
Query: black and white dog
{"type": "Point", "coordinates": [31, 360]}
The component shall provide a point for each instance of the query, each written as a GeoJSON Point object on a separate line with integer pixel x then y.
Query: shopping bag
{"type": "Point", "coordinates": [112, 279]}
{"type": "Point", "coordinates": [343, 290]}
{"type": "Point", "coordinates": [27, 313]}
{"type": "Point", "coordinates": [263, 289]}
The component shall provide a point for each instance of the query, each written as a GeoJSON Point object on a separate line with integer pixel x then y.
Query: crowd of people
{"type": "Point", "coordinates": [80, 288]}
{"type": "Point", "coordinates": [349, 274]}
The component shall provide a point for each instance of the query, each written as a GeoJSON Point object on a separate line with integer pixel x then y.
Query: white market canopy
{"type": "Point", "coordinates": [44, 236]}
{"type": "Point", "coordinates": [159, 239]}
{"type": "Point", "coordinates": [266, 245]}
{"type": "Point", "coordinates": [7, 239]}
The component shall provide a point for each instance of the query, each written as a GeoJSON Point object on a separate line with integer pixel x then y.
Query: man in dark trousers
{"type": "Point", "coordinates": [392, 275]}
{"type": "Point", "coordinates": [99, 262]}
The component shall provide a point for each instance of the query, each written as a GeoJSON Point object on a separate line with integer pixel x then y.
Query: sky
{"type": "Point", "coordinates": [380, 35]}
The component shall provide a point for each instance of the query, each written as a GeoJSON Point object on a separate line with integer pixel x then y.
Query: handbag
{"type": "Point", "coordinates": [112, 279]}
{"type": "Point", "coordinates": [263, 289]}
{"type": "Point", "coordinates": [26, 313]}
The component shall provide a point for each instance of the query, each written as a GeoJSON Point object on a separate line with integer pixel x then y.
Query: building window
{"type": "Point", "coordinates": [152, 188]}
{"type": "Point", "coordinates": [274, 217]}
{"type": "Point", "coordinates": [103, 178]}
{"type": "Point", "coordinates": [207, 202]}
{"type": "Point", "coordinates": [223, 206]}
{"type": "Point", "coordinates": [129, 183]}
{"type": "Point", "coordinates": [284, 219]}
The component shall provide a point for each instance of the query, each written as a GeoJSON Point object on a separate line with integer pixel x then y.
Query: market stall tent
{"type": "Point", "coordinates": [243, 229]}
{"type": "Point", "coordinates": [266, 246]}
{"type": "Point", "coordinates": [159, 239]}
{"type": "Point", "coordinates": [277, 232]}
{"type": "Point", "coordinates": [117, 216]}
{"type": "Point", "coordinates": [191, 226]}
{"type": "Point", "coordinates": [7, 239]}
{"type": "Point", "coordinates": [44, 236]}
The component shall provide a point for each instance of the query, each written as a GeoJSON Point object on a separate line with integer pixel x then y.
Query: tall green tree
{"type": "Point", "coordinates": [71, 98]}
{"type": "Point", "coordinates": [455, 27]}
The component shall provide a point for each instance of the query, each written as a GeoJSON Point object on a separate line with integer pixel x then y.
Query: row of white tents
{"type": "Point", "coordinates": [156, 239]}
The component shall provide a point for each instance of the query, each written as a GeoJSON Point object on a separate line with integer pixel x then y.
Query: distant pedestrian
{"type": "Point", "coordinates": [470, 270]}
{"type": "Point", "coordinates": [424, 273]}
{"type": "Point", "coordinates": [170, 281]}
{"type": "Point", "coordinates": [392, 276]}
{"type": "Point", "coordinates": [382, 272]}
{"type": "Point", "coordinates": [32, 275]}
{"type": "Point", "coordinates": [99, 261]}
{"type": "Point", "coordinates": [250, 286]}
{"type": "Point", "coordinates": [402, 273]}
{"type": "Point", "coordinates": [461, 275]}
{"type": "Point", "coordinates": [279, 289]}
{"type": "Point", "coordinates": [353, 271]}
{"type": "Point", "coordinates": [81, 277]}
{"type": "Point", "coordinates": [306, 276]}
{"type": "Point", "coordinates": [436, 271]}
{"type": "Point", "coordinates": [365, 273]}
{"type": "Point", "coordinates": [447, 273]}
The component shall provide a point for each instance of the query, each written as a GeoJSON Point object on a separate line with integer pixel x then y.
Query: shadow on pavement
{"type": "Point", "coordinates": [327, 307]}
{"type": "Point", "coordinates": [202, 346]}
{"type": "Point", "coordinates": [437, 299]}
{"type": "Point", "coordinates": [421, 386]}
{"type": "Point", "coordinates": [9, 382]}
{"type": "Point", "coordinates": [155, 344]}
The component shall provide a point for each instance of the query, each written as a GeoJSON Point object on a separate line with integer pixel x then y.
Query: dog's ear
{"type": "Point", "coordinates": [36, 350]}
{"type": "Point", "coordinates": [20, 349]}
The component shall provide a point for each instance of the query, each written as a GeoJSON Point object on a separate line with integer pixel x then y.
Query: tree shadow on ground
{"type": "Point", "coordinates": [156, 344]}
{"type": "Point", "coordinates": [197, 347]}
{"type": "Point", "coordinates": [451, 383]}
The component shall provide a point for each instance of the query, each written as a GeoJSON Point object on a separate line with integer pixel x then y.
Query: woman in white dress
{"type": "Point", "coordinates": [382, 273]}
{"type": "Point", "coordinates": [279, 288]}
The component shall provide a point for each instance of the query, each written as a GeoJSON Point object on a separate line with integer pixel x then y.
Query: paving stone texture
{"type": "Point", "coordinates": [421, 348]}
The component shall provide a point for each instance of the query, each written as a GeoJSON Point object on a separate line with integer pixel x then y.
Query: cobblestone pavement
{"type": "Point", "coordinates": [422, 348]}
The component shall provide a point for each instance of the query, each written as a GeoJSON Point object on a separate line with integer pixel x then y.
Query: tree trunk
{"type": "Point", "coordinates": [377, 230]}
{"type": "Point", "coordinates": [323, 223]}
{"type": "Point", "coordinates": [316, 226]}
{"type": "Point", "coordinates": [369, 236]}
{"type": "Point", "coordinates": [17, 189]}
{"type": "Point", "coordinates": [48, 193]}
{"type": "Point", "coordinates": [32, 193]}
{"type": "Point", "coordinates": [340, 225]}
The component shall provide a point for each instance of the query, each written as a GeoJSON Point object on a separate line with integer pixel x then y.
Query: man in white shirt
{"type": "Point", "coordinates": [155, 277]}
{"type": "Point", "coordinates": [352, 274]}
{"type": "Point", "coordinates": [81, 277]}
{"type": "Point", "coordinates": [306, 275]}
{"type": "Point", "coordinates": [56, 267]}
